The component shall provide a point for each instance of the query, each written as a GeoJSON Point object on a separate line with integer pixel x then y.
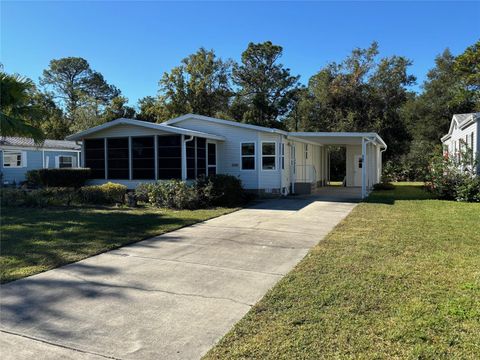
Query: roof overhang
{"type": "Point", "coordinates": [158, 127]}
{"type": "Point", "coordinates": [337, 138]}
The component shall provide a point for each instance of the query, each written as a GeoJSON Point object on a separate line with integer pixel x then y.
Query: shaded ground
{"type": "Point", "coordinates": [399, 278]}
{"type": "Point", "coordinates": [34, 240]}
{"type": "Point", "coordinates": [169, 297]}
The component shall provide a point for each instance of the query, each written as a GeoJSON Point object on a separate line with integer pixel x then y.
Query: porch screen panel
{"type": "Point", "coordinates": [143, 158]}
{"type": "Point", "coordinates": [117, 158]}
{"type": "Point", "coordinates": [169, 157]}
{"type": "Point", "coordinates": [95, 157]}
{"type": "Point", "coordinates": [201, 157]}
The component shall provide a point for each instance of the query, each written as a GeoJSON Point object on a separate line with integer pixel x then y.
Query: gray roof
{"type": "Point", "coordinates": [47, 144]}
{"type": "Point", "coordinates": [463, 118]}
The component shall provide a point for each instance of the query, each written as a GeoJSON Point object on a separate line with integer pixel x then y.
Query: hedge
{"type": "Point", "coordinates": [57, 177]}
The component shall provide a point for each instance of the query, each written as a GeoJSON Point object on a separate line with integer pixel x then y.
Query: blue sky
{"type": "Point", "coordinates": [133, 43]}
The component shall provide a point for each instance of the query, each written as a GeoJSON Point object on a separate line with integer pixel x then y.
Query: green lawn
{"type": "Point", "coordinates": [399, 278]}
{"type": "Point", "coordinates": [35, 240]}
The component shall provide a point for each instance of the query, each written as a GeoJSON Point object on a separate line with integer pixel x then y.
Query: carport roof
{"type": "Point", "coordinates": [337, 138]}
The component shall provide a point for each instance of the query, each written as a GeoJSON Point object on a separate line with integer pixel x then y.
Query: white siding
{"type": "Point", "coordinates": [229, 155]}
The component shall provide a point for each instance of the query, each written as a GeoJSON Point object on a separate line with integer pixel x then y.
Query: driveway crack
{"type": "Point", "coordinates": [155, 290]}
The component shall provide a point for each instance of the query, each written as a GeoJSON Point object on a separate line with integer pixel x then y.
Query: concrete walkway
{"type": "Point", "coordinates": [170, 297]}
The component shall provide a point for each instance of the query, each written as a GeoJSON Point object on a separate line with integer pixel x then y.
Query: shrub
{"type": "Point", "coordinates": [39, 197]}
{"type": "Point", "coordinates": [173, 194]}
{"type": "Point", "coordinates": [109, 193]}
{"type": "Point", "coordinates": [227, 191]}
{"type": "Point", "coordinates": [469, 190]}
{"type": "Point", "coordinates": [383, 186]}
{"type": "Point", "coordinates": [58, 177]}
{"type": "Point", "coordinates": [453, 178]}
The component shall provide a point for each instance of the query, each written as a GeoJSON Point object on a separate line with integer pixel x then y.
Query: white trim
{"type": "Point", "coordinates": [254, 155]}
{"type": "Point", "coordinates": [360, 135]}
{"type": "Point", "coordinates": [23, 158]}
{"type": "Point", "coordinates": [57, 161]}
{"type": "Point", "coordinates": [26, 148]}
{"type": "Point", "coordinates": [160, 127]}
{"type": "Point", "coordinates": [216, 157]}
{"type": "Point", "coordinates": [223, 122]}
{"type": "Point", "coordinates": [274, 156]}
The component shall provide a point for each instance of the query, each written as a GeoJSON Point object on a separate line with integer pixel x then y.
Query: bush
{"type": "Point", "coordinates": [218, 190]}
{"type": "Point", "coordinates": [383, 186]}
{"type": "Point", "coordinates": [105, 194]}
{"type": "Point", "coordinates": [39, 198]}
{"type": "Point", "coordinates": [453, 178]}
{"type": "Point", "coordinates": [58, 177]}
{"type": "Point", "coordinates": [469, 190]}
{"type": "Point", "coordinates": [173, 194]}
{"type": "Point", "coordinates": [227, 191]}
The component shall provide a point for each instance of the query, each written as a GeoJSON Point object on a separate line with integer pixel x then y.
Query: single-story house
{"type": "Point", "coordinates": [19, 155]}
{"type": "Point", "coordinates": [267, 160]}
{"type": "Point", "coordinates": [463, 134]}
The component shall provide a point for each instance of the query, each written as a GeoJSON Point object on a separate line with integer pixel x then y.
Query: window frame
{"type": "Point", "coordinates": [216, 157]}
{"type": "Point", "coordinates": [58, 161]}
{"type": "Point", "coordinates": [274, 155]}
{"type": "Point", "coordinates": [306, 151]}
{"type": "Point", "coordinates": [254, 156]}
{"type": "Point", "coordinates": [23, 158]}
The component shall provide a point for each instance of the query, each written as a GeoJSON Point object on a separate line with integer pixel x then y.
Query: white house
{"type": "Point", "coordinates": [463, 134]}
{"type": "Point", "coordinates": [266, 160]}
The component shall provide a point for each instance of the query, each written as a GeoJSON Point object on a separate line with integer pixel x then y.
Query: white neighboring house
{"type": "Point", "coordinates": [268, 161]}
{"type": "Point", "coordinates": [463, 133]}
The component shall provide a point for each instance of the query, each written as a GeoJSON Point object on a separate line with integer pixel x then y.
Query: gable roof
{"type": "Point", "coordinates": [462, 121]}
{"type": "Point", "coordinates": [224, 122]}
{"type": "Point", "coordinates": [160, 127]}
{"type": "Point", "coordinates": [46, 144]}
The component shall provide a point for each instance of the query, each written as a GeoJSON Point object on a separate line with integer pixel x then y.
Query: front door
{"type": "Point", "coordinates": [293, 165]}
{"type": "Point", "coordinates": [211, 158]}
{"type": "Point", "coordinates": [357, 174]}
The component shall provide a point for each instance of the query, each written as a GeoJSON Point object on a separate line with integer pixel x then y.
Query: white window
{"type": "Point", "coordinates": [14, 159]}
{"type": "Point", "coordinates": [282, 155]}
{"type": "Point", "coordinates": [64, 162]}
{"type": "Point", "coordinates": [306, 151]}
{"type": "Point", "coordinates": [269, 155]}
{"type": "Point", "coordinates": [248, 156]}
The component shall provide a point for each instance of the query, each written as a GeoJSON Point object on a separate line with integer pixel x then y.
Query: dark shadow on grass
{"type": "Point", "coordinates": [51, 238]}
{"type": "Point", "coordinates": [401, 192]}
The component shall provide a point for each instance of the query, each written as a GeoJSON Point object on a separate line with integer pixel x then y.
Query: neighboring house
{"type": "Point", "coordinates": [463, 134]}
{"type": "Point", "coordinates": [266, 160]}
{"type": "Point", "coordinates": [19, 155]}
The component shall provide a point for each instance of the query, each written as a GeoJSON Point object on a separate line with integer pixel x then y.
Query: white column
{"type": "Point", "coordinates": [155, 156]}
{"type": "Point", "coordinates": [184, 158]}
{"type": "Point", "coordinates": [364, 168]}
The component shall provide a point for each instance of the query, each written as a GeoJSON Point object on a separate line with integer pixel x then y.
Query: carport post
{"type": "Point", "coordinates": [364, 168]}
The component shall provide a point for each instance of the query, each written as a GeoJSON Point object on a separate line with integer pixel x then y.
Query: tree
{"type": "Point", "coordinates": [266, 89]}
{"type": "Point", "coordinates": [17, 116]}
{"type": "Point", "coordinates": [362, 93]}
{"type": "Point", "coordinates": [148, 109]}
{"type": "Point", "coordinates": [75, 84]}
{"type": "Point", "coordinates": [118, 108]}
{"type": "Point", "coordinates": [467, 68]}
{"type": "Point", "coordinates": [199, 85]}
{"type": "Point", "coordinates": [445, 93]}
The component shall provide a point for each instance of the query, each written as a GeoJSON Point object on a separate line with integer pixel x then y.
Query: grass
{"type": "Point", "coordinates": [399, 278]}
{"type": "Point", "coordinates": [36, 240]}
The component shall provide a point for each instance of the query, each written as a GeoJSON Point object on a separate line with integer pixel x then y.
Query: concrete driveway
{"type": "Point", "coordinates": [169, 297]}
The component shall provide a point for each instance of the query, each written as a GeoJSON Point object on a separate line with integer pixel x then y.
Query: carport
{"type": "Point", "coordinates": [364, 154]}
